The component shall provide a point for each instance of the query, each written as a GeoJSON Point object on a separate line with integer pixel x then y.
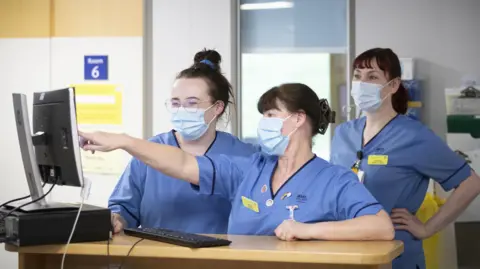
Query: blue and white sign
{"type": "Point", "coordinates": [96, 67]}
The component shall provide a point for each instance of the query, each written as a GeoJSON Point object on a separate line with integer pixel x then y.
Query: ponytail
{"type": "Point", "coordinates": [400, 100]}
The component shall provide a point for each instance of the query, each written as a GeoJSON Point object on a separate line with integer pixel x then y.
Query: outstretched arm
{"type": "Point", "coordinates": [169, 160]}
{"type": "Point", "coordinates": [219, 174]}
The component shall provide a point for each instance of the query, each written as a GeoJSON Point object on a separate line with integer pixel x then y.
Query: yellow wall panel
{"type": "Point", "coordinates": [24, 18]}
{"type": "Point", "coordinates": [74, 18]}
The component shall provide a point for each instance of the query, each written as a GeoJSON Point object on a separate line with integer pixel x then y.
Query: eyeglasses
{"type": "Point", "coordinates": [190, 105]}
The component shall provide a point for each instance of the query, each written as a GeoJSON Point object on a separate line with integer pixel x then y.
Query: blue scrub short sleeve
{"type": "Point", "coordinates": [221, 174]}
{"type": "Point", "coordinates": [127, 194]}
{"type": "Point", "coordinates": [334, 146]}
{"type": "Point", "coordinates": [434, 159]}
{"type": "Point", "coordinates": [353, 198]}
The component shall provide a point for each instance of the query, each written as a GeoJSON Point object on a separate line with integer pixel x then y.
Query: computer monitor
{"type": "Point", "coordinates": [52, 153]}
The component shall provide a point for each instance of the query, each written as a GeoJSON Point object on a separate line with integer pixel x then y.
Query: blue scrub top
{"type": "Point", "coordinates": [321, 191]}
{"type": "Point", "coordinates": [148, 198]}
{"type": "Point", "coordinates": [415, 154]}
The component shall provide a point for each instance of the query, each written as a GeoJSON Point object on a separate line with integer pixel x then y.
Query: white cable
{"type": "Point", "coordinates": [85, 192]}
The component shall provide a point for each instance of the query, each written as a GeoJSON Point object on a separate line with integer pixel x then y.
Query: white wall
{"type": "Point", "coordinates": [443, 36]}
{"type": "Point", "coordinates": [180, 29]}
{"type": "Point", "coordinates": [34, 64]}
{"type": "Point", "coordinates": [125, 57]}
{"type": "Point", "coordinates": [24, 68]}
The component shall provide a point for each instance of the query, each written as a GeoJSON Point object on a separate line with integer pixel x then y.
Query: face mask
{"type": "Point", "coordinates": [270, 136]}
{"type": "Point", "coordinates": [190, 125]}
{"type": "Point", "coordinates": [367, 95]}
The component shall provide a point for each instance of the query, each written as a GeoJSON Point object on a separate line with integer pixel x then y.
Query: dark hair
{"type": "Point", "coordinates": [206, 65]}
{"type": "Point", "coordinates": [299, 97]}
{"type": "Point", "coordinates": [387, 61]}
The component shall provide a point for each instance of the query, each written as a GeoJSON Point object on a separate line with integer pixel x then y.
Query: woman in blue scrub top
{"type": "Point", "coordinates": [285, 191]}
{"type": "Point", "coordinates": [395, 156]}
{"type": "Point", "coordinates": [148, 198]}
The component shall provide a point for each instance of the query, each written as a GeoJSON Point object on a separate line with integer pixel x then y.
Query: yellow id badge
{"type": "Point", "coordinates": [250, 204]}
{"type": "Point", "coordinates": [377, 159]}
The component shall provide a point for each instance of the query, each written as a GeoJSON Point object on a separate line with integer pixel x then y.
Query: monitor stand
{"type": "Point", "coordinates": [41, 207]}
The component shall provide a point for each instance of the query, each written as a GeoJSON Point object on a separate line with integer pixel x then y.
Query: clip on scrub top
{"type": "Point", "coordinates": [292, 208]}
{"type": "Point", "coordinates": [356, 167]}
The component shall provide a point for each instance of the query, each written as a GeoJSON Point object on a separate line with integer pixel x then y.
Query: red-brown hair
{"type": "Point", "coordinates": [389, 63]}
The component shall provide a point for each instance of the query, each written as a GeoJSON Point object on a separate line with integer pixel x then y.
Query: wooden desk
{"type": "Point", "coordinates": [245, 252]}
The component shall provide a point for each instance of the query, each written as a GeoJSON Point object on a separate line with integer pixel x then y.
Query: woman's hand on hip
{"type": "Point", "coordinates": [404, 220]}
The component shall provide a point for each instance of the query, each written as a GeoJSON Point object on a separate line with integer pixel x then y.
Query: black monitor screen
{"type": "Point", "coordinates": [55, 137]}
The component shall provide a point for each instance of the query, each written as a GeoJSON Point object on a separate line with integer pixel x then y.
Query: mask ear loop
{"type": "Point", "coordinates": [293, 129]}
{"type": "Point", "coordinates": [390, 93]}
{"type": "Point", "coordinates": [214, 117]}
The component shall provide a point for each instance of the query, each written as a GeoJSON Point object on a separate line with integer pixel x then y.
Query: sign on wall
{"type": "Point", "coordinates": [100, 108]}
{"type": "Point", "coordinates": [96, 67]}
{"type": "Point", "coordinates": [99, 104]}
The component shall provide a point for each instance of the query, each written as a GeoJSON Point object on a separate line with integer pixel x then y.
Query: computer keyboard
{"type": "Point", "coordinates": [177, 238]}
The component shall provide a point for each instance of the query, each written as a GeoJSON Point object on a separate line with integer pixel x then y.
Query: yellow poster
{"type": "Point", "coordinates": [98, 104]}
{"type": "Point", "coordinates": [104, 163]}
{"type": "Point", "coordinates": [99, 108]}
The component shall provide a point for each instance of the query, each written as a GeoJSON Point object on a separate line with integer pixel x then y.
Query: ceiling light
{"type": "Point", "coordinates": [269, 5]}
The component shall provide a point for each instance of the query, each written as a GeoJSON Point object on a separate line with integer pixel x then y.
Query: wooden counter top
{"type": "Point", "coordinates": [243, 248]}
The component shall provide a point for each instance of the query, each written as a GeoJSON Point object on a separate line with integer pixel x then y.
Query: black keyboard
{"type": "Point", "coordinates": [177, 238]}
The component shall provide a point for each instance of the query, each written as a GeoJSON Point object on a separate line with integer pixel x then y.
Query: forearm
{"type": "Point", "coordinates": [370, 227]}
{"type": "Point", "coordinates": [125, 208]}
{"type": "Point", "coordinates": [455, 205]}
{"type": "Point", "coordinates": [169, 160]}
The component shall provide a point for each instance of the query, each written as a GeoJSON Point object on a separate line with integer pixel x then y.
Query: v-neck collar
{"type": "Point", "coordinates": [272, 195]}
{"type": "Point", "coordinates": [178, 144]}
{"type": "Point", "coordinates": [364, 125]}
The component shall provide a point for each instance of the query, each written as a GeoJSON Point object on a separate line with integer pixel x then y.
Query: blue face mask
{"type": "Point", "coordinates": [270, 136]}
{"type": "Point", "coordinates": [367, 95]}
{"type": "Point", "coordinates": [190, 125]}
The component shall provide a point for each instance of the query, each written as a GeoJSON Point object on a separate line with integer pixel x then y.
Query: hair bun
{"type": "Point", "coordinates": [212, 57]}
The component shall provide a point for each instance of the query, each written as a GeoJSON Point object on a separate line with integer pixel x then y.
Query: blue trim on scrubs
{"type": "Point", "coordinates": [272, 195]}
{"type": "Point", "coordinates": [437, 161]}
{"type": "Point", "coordinates": [145, 197]}
{"type": "Point", "coordinates": [222, 174]}
{"type": "Point", "coordinates": [321, 191]}
{"type": "Point", "coordinates": [415, 154]}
